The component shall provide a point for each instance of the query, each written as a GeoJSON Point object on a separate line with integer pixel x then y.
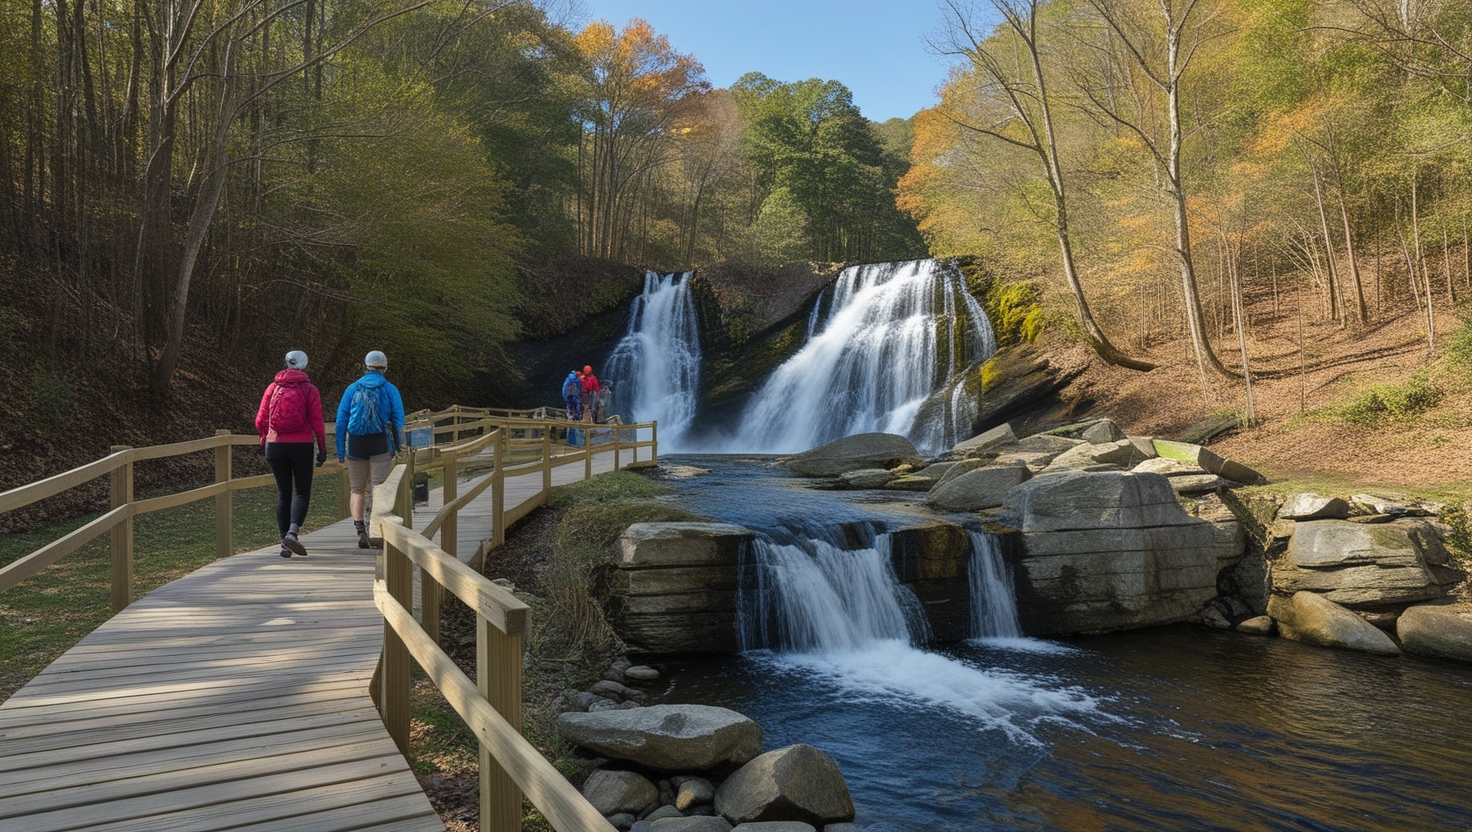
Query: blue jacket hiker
{"type": "Point", "coordinates": [370, 421]}
{"type": "Point", "coordinates": [572, 390]}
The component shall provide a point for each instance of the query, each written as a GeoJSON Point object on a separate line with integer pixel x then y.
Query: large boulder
{"type": "Point", "coordinates": [1111, 550]}
{"type": "Point", "coordinates": [612, 792]}
{"type": "Point", "coordinates": [1314, 619]}
{"type": "Point", "coordinates": [979, 489]}
{"type": "Point", "coordinates": [674, 588]}
{"type": "Point", "coordinates": [853, 453]}
{"type": "Point", "coordinates": [1208, 461]}
{"type": "Point", "coordinates": [1102, 432]}
{"type": "Point", "coordinates": [1366, 566]}
{"type": "Point", "coordinates": [1442, 631]}
{"type": "Point", "coordinates": [666, 737]}
{"type": "Point", "coordinates": [986, 441]}
{"type": "Point", "coordinates": [1121, 453]}
{"type": "Point", "coordinates": [692, 824]}
{"type": "Point", "coordinates": [798, 782]}
{"type": "Point", "coordinates": [1307, 506]}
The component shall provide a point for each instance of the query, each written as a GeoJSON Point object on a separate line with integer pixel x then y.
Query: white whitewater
{"type": "Point", "coordinates": [889, 355]}
{"type": "Point", "coordinates": [655, 368]}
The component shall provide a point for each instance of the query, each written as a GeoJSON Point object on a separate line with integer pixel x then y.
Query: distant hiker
{"type": "Point", "coordinates": [572, 389]}
{"type": "Point", "coordinates": [600, 404]}
{"type": "Point", "coordinates": [289, 421]}
{"type": "Point", "coordinates": [370, 418]}
{"type": "Point", "coordinates": [589, 385]}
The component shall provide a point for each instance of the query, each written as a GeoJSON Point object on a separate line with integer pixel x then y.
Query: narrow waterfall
{"type": "Point", "coordinates": [655, 368]}
{"type": "Point", "coordinates": [993, 598]}
{"type": "Point", "coordinates": [888, 354]}
{"type": "Point", "coordinates": [804, 594]}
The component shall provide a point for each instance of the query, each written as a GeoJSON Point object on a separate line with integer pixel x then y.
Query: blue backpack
{"type": "Point", "coordinates": [367, 415]}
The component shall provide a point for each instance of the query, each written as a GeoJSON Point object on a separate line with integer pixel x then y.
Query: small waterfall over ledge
{"type": "Point", "coordinates": [655, 368]}
{"type": "Point", "coordinates": [811, 591]}
{"type": "Point", "coordinates": [889, 354]}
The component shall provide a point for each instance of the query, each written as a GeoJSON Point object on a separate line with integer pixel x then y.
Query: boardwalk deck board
{"type": "Point", "coordinates": [233, 698]}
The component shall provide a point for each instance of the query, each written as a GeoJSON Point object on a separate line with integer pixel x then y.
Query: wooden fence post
{"type": "Point", "coordinates": [498, 497]}
{"type": "Point", "coordinates": [399, 581]}
{"type": "Point", "coordinates": [587, 454]}
{"type": "Point", "coordinates": [122, 534]}
{"type": "Point", "coordinates": [429, 590]}
{"type": "Point", "coordinates": [546, 461]}
{"type": "Point", "coordinates": [498, 675]}
{"type": "Point", "coordinates": [618, 436]}
{"type": "Point", "coordinates": [654, 448]}
{"type": "Point", "coordinates": [224, 503]}
{"type": "Point", "coordinates": [404, 505]}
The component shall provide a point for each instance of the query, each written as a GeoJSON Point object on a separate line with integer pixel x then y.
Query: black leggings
{"type": "Point", "coordinates": [291, 462]}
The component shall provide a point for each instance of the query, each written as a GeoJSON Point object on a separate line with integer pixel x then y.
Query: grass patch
{"type": "Point", "coordinates": [45, 615]}
{"type": "Point", "coordinates": [1387, 402]}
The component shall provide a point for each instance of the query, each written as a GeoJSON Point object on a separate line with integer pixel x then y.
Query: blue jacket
{"type": "Point", "coordinates": [395, 416]}
{"type": "Point", "coordinates": [572, 386]}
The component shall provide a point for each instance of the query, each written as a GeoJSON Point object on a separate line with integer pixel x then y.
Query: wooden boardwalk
{"type": "Point", "coordinates": [233, 698]}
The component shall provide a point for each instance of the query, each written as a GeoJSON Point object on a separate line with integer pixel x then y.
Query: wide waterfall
{"type": "Point", "coordinates": [889, 354]}
{"type": "Point", "coordinates": [655, 369]}
{"type": "Point", "coordinates": [810, 591]}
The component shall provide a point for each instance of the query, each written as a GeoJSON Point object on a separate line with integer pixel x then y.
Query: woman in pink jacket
{"type": "Point", "coordinates": [289, 420]}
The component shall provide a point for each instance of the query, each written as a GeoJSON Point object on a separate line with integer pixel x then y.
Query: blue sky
{"type": "Point", "coordinates": [874, 47]}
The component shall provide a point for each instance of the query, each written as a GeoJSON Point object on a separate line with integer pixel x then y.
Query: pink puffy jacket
{"type": "Point", "coordinates": [313, 430]}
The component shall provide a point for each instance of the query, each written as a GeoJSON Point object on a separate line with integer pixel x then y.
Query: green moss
{"type": "Point", "coordinates": [1016, 311]}
{"type": "Point", "coordinates": [1387, 402]}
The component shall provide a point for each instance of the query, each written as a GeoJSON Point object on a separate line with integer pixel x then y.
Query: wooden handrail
{"type": "Point", "coordinates": [510, 766]}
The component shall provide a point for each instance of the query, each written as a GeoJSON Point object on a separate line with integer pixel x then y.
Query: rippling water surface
{"type": "Point", "coordinates": [1174, 728]}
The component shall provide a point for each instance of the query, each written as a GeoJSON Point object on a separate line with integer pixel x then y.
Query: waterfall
{"type": "Point", "coordinates": [811, 595]}
{"type": "Point", "coordinates": [813, 317]}
{"type": "Point", "coordinates": [655, 368]}
{"type": "Point", "coordinates": [993, 599]}
{"type": "Point", "coordinates": [889, 355]}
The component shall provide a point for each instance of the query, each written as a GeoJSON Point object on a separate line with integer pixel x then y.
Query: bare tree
{"type": "Point", "coordinates": [1020, 91]}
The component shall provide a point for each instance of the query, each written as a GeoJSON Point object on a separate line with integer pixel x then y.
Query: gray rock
{"type": "Point", "coordinates": [1213, 618]}
{"type": "Point", "coordinates": [853, 453]}
{"type": "Point", "coordinates": [1314, 619]}
{"type": "Point", "coordinates": [1207, 461]}
{"type": "Point", "coordinates": [1103, 431]}
{"type": "Point", "coordinates": [1366, 566]}
{"type": "Point", "coordinates": [1094, 500]}
{"type": "Point", "coordinates": [694, 791]}
{"type": "Point", "coordinates": [979, 489]}
{"type": "Point", "coordinates": [1042, 443]}
{"type": "Point", "coordinates": [956, 470]}
{"type": "Point", "coordinates": [1381, 505]}
{"type": "Point", "coordinates": [912, 483]}
{"type": "Point", "coordinates": [600, 703]}
{"type": "Point", "coordinates": [666, 737]}
{"type": "Point", "coordinates": [1313, 507]}
{"type": "Point", "coordinates": [681, 544]}
{"type": "Point", "coordinates": [584, 700]}
{"type": "Point", "coordinates": [778, 826]}
{"type": "Point", "coordinates": [663, 812]}
{"type": "Point", "coordinates": [1442, 631]}
{"type": "Point", "coordinates": [1167, 467]}
{"type": "Point", "coordinates": [798, 782]}
{"type": "Point", "coordinates": [622, 820]}
{"type": "Point", "coordinates": [614, 690]}
{"type": "Point", "coordinates": [1258, 625]}
{"type": "Point", "coordinates": [1120, 454]}
{"type": "Point", "coordinates": [987, 441]}
{"type": "Point", "coordinates": [641, 826]}
{"type": "Point", "coordinates": [692, 824]}
{"type": "Point", "coordinates": [842, 827]}
{"type": "Point", "coordinates": [936, 470]}
{"type": "Point", "coordinates": [1035, 461]}
{"type": "Point", "coordinates": [641, 673]}
{"type": "Point", "coordinates": [865, 478]}
{"type": "Point", "coordinates": [1197, 483]}
{"type": "Point", "coordinates": [676, 586]}
{"type": "Point", "coordinates": [617, 792]}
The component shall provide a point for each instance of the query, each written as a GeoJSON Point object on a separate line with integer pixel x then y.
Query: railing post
{"type": "Point", "coordinates": [587, 454]}
{"type": "Point", "coordinates": [122, 534]}
{"type": "Point", "coordinates": [429, 589]}
{"type": "Point", "coordinates": [498, 497]}
{"type": "Point", "coordinates": [404, 505]}
{"type": "Point", "coordinates": [546, 461]}
{"type": "Point", "coordinates": [224, 503]}
{"type": "Point", "coordinates": [618, 436]}
{"type": "Point", "coordinates": [498, 675]}
{"type": "Point", "coordinates": [654, 439]}
{"type": "Point", "coordinates": [399, 581]}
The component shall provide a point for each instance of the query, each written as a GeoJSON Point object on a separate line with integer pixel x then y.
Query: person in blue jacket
{"type": "Point", "coordinates": [572, 395]}
{"type": "Point", "coordinates": [370, 422]}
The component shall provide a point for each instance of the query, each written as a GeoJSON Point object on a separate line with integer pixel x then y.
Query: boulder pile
{"type": "Point", "coordinates": [695, 768]}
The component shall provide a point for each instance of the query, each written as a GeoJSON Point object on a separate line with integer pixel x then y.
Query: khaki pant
{"type": "Point", "coordinates": [359, 471]}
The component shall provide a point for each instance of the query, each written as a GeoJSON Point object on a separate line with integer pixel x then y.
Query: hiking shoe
{"type": "Point", "coordinates": [290, 542]}
{"type": "Point", "coordinates": [363, 540]}
{"type": "Point", "coordinates": [285, 552]}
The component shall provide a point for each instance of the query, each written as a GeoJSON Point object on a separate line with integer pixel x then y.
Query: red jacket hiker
{"type": "Point", "coordinates": [590, 384]}
{"type": "Point", "coordinates": [296, 383]}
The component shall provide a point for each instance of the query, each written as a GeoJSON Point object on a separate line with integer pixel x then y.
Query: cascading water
{"type": "Point", "coordinates": [655, 368]}
{"type": "Point", "coordinates": [993, 600]}
{"type": "Point", "coordinates": [889, 355]}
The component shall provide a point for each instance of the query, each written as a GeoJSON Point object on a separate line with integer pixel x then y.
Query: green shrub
{"type": "Point", "coordinates": [1459, 349]}
{"type": "Point", "coordinates": [1383, 402]}
{"type": "Point", "coordinates": [1458, 532]}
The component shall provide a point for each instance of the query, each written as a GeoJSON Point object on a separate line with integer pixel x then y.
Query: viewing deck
{"type": "Point", "coordinates": [236, 697]}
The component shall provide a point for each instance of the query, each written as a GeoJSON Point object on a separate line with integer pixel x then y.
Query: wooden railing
{"type": "Point", "coordinates": [510, 767]}
{"type": "Point", "coordinates": [459, 440]}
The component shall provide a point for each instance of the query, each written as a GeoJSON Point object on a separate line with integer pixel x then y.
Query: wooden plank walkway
{"type": "Point", "coordinates": [233, 698]}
